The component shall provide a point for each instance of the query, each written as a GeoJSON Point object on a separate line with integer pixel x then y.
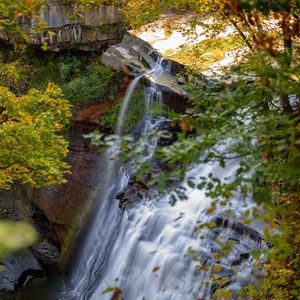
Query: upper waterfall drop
{"type": "Point", "coordinates": [154, 71]}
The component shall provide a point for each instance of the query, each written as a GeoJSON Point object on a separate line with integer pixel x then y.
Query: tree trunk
{"type": "Point", "coordinates": [287, 38]}
{"type": "Point", "coordinates": [285, 104]}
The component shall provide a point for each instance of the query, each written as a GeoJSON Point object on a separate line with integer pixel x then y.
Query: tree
{"type": "Point", "coordinates": [32, 144]}
{"type": "Point", "coordinates": [12, 10]}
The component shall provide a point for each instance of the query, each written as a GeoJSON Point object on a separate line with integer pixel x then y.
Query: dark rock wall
{"type": "Point", "coordinates": [93, 30]}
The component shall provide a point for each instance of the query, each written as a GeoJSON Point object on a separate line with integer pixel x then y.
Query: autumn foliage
{"type": "Point", "coordinates": [33, 147]}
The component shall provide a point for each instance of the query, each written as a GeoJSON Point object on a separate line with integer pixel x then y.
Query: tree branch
{"type": "Point", "coordinates": [241, 33]}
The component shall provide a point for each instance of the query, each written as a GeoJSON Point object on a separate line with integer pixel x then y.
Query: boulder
{"type": "Point", "coordinates": [19, 269]}
{"type": "Point", "coordinates": [46, 252]}
{"type": "Point", "coordinates": [134, 57]}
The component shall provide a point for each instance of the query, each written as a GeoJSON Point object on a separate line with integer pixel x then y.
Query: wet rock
{"type": "Point", "coordinates": [173, 128]}
{"type": "Point", "coordinates": [165, 82]}
{"type": "Point", "coordinates": [134, 56]}
{"type": "Point", "coordinates": [215, 286]}
{"type": "Point", "coordinates": [177, 102]}
{"type": "Point", "coordinates": [90, 116]}
{"type": "Point", "coordinates": [19, 269]}
{"type": "Point", "coordinates": [231, 243]}
{"type": "Point", "coordinates": [134, 192]}
{"type": "Point", "coordinates": [62, 204]}
{"type": "Point", "coordinates": [13, 203]}
{"type": "Point", "coordinates": [239, 228]}
{"type": "Point", "coordinates": [46, 252]}
{"type": "Point", "coordinates": [173, 93]}
{"type": "Point", "coordinates": [240, 259]}
{"type": "Point", "coordinates": [43, 226]}
{"type": "Point", "coordinates": [26, 266]}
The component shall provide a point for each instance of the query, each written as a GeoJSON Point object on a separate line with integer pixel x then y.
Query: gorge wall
{"type": "Point", "coordinates": [95, 29]}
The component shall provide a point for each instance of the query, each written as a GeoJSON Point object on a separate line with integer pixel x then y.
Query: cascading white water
{"type": "Point", "coordinates": [149, 259]}
{"type": "Point", "coordinates": [144, 249]}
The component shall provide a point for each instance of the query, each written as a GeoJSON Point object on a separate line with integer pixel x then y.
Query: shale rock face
{"type": "Point", "coordinates": [134, 56]}
{"type": "Point", "coordinates": [62, 204]}
{"type": "Point", "coordinates": [93, 30]}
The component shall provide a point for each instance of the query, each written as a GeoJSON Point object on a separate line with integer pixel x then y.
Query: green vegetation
{"type": "Point", "coordinates": [11, 10]}
{"type": "Point", "coordinates": [81, 79]}
{"type": "Point", "coordinates": [104, 28]}
{"type": "Point", "coordinates": [2, 212]}
{"type": "Point", "coordinates": [34, 112]}
{"type": "Point", "coordinates": [135, 112]}
{"type": "Point", "coordinates": [38, 83]}
{"type": "Point", "coordinates": [32, 145]}
{"type": "Point", "coordinates": [258, 111]}
{"type": "Point", "coordinates": [33, 150]}
{"type": "Point", "coordinates": [15, 236]}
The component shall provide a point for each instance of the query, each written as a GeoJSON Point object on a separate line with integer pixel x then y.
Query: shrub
{"type": "Point", "coordinates": [85, 88]}
{"type": "Point", "coordinates": [68, 67]}
{"type": "Point", "coordinates": [82, 79]}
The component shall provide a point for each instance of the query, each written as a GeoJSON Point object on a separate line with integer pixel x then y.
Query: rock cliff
{"type": "Point", "coordinates": [95, 29]}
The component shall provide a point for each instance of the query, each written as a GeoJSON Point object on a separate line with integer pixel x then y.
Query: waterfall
{"type": "Point", "coordinates": [150, 249]}
{"type": "Point", "coordinates": [87, 268]}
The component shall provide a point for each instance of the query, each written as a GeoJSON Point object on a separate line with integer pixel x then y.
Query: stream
{"type": "Point", "coordinates": [149, 249]}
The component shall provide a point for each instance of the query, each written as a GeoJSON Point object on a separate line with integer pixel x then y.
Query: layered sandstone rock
{"type": "Point", "coordinates": [95, 29]}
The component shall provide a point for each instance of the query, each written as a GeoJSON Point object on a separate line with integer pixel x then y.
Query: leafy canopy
{"type": "Point", "coordinates": [32, 144]}
{"type": "Point", "coordinates": [12, 10]}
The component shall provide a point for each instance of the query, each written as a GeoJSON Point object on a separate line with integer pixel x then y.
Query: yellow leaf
{"type": "Point", "coordinates": [216, 268]}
